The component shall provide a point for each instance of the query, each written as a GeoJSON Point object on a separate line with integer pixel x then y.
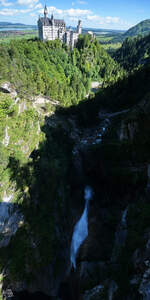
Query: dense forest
{"type": "Point", "coordinates": [134, 52]}
{"type": "Point", "coordinates": [53, 70]}
{"type": "Point", "coordinates": [141, 28]}
{"type": "Point", "coordinates": [122, 95]}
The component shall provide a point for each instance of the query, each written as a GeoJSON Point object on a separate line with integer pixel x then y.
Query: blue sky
{"type": "Point", "coordinates": [112, 14]}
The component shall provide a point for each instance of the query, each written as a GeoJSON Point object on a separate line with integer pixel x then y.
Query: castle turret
{"type": "Point", "coordinates": [79, 27]}
{"type": "Point", "coordinates": [52, 19]}
{"type": "Point", "coordinates": [45, 12]}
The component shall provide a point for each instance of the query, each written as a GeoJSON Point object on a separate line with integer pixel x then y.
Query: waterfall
{"type": "Point", "coordinates": [39, 128]}
{"type": "Point", "coordinates": [7, 198]}
{"type": "Point", "coordinates": [6, 137]}
{"type": "Point", "coordinates": [80, 232]}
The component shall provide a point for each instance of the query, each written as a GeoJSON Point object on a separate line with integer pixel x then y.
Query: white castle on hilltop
{"type": "Point", "coordinates": [51, 29]}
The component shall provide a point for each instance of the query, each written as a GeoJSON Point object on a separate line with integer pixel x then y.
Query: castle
{"type": "Point", "coordinates": [51, 29]}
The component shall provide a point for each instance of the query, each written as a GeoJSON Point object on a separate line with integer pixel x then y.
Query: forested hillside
{"type": "Point", "coordinates": [122, 95]}
{"type": "Point", "coordinates": [141, 28]}
{"type": "Point", "coordinates": [134, 53]}
{"type": "Point", "coordinates": [52, 69]}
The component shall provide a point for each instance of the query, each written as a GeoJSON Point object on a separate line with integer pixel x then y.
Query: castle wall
{"type": "Point", "coordinates": [40, 29]}
{"type": "Point", "coordinates": [53, 33]}
{"type": "Point", "coordinates": [48, 33]}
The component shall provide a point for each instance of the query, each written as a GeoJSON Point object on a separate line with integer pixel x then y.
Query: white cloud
{"type": "Point", "coordinates": [29, 3]}
{"type": "Point", "coordinates": [103, 20]}
{"type": "Point", "coordinates": [77, 12]}
{"type": "Point", "coordinates": [55, 10]}
{"type": "Point", "coordinates": [24, 11]}
{"type": "Point", "coordinates": [13, 12]}
{"type": "Point", "coordinates": [8, 12]}
{"type": "Point", "coordinates": [29, 9]}
{"type": "Point", "coordinates": [38, 6]}
{"type": "Point", "coordinates": [5, 3]}
{"type": "Point", "coordinates": [32, 14]}
{"type": "Point", "coordinates": [82, 2]}
{"type": "Point", "coordinates": [112, 20]}
{"type": "Point", "coordinates": [72, 12]}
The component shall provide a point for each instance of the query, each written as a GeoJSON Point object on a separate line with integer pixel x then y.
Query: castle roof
{"type": "Point", "coordinates": [48, 22]}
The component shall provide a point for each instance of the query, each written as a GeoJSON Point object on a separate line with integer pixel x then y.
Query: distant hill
{"type": "Point", "coordinates": [8, 25]}
{"type": "Point", "coordinates": [141, 28]}
{"type": "Point", "coordinates": [11, 24]}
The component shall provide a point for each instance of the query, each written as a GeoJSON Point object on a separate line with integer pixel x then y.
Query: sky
{"type": "Point", "coordinates": [108, 14]}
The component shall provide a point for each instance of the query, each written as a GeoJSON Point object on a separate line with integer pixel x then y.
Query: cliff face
{"type": "Point", "coordinates": [115, 252]}
{"type": "Point", "coordinates": [46, 180]}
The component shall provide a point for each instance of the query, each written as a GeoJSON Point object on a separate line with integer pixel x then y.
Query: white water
{"type": "Point", "coordinates": [7, 198]}
{"type": "Point", "coordinates": [39, 128]}
{"type": "Point", "coordinates": [9, 222]}
{"type": "Point", "coordinates": [6, 137]}
{"type": "Point", "coordinates": [80, 232]}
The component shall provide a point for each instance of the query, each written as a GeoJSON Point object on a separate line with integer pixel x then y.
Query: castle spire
{"type": "Point", "coordinates": [45, 12]}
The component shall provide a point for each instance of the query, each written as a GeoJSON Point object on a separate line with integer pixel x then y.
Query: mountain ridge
{"type": "Point", "coordinates": [141, 28]}
{"type": "Point", "coordinates": [13, 24]}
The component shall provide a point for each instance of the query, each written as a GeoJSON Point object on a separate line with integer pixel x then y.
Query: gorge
{"type": "Point", "coordinates": [74, 174]}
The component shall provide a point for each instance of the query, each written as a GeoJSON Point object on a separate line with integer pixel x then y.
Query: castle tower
{"type": "Point", "coordinates": [79, 27]}
{"type": "Point", "coordinates": [53, 27]}
{"type": "Point", "coordinates": [45, 12]}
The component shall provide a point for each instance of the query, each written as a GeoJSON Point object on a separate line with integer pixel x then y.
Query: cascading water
{"type": "Point", "coordinates": [6, 137]}
{"type": "Point", "coordinates": [81, 228]}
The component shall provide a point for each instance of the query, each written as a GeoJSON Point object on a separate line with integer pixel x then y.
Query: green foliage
{"type": "Point", "coordinates": [7, 36]}
{"type": "Point", "coordinates": [134, 52]}
{"type": "Point", "coordinates": [6, 106]}
{"type": "Point", "coordinates": [139, 29]}
{"type": "Point", "coordinates": [99, 65]}
{"type": "Point", "coordinates": [24, 135]}
{"type": "Point", "coordinates": [51, 69]}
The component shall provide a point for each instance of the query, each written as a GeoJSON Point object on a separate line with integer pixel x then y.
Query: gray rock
{"type": "Point", "coordinates": [9, 222]}
{"type": "Point", "coordinates": [91, 273]}
{"type": "Point", "coordinates": [112, 290]}
{"type": "Point", "coordinates": [144, 289]}
{"type": "Point", "coordinates": [95, 294]}
{"type": "Point", "coordinates": [8, 88]}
